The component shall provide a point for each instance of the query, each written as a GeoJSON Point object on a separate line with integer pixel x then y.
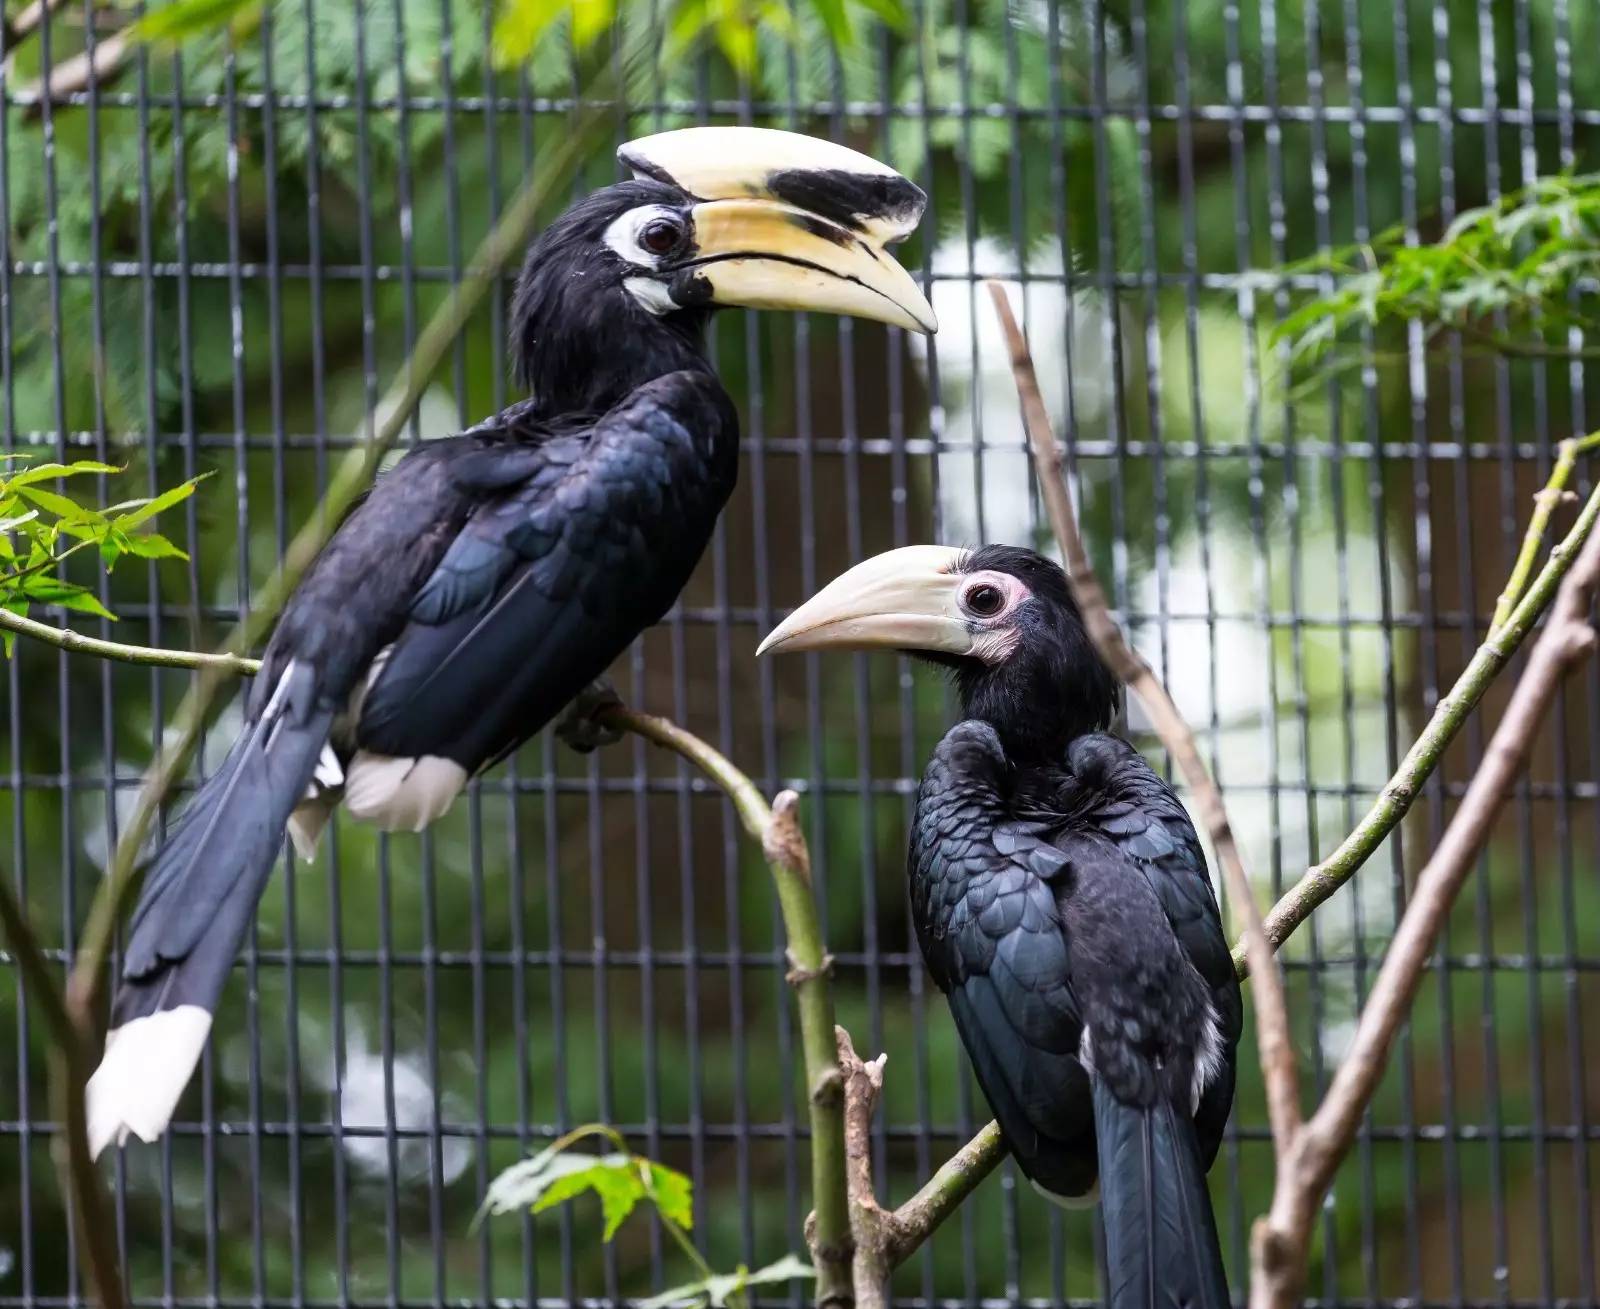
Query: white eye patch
{"type": "Point", "coordinates": [625, 235]}
{"type": "Point", "coordinates": [626, 238]}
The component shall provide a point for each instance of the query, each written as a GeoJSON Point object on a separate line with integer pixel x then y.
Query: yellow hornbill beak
{"type": "Point", "coordinates": [906, 599]}
{"type": "Point", "coordinates": [784, 221]}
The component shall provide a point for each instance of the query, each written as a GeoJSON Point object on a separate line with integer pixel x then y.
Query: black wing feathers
{"type": "Point", "coordinates": [998, 858]}
{"type": "Point", "coordinates": [548, 583]}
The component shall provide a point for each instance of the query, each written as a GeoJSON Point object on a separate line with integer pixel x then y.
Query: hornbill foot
{"type": "Point", "coordinates": [580, 726]}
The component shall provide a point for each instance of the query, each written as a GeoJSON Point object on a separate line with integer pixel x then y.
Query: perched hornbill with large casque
{"type": "Point", "coordinates": [490, 577]}
{"type": "Point", "coordinates": [1063, 905]}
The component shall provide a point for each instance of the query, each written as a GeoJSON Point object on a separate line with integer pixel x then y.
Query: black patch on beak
{"type": "Point", "coordinates": [831, 232]}
{"type": "Point", "coordinates": [690, 289]}
{"type": "Point", "coordinates": [846, 198]}
{"type": "Point", "coordinates": [640, 165]}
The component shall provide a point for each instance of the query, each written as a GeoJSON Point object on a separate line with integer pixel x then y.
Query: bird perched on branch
{"type": "Point", "coordinates": [489, 578]}
{"type": "Point", "coordinates": [1062, 904]}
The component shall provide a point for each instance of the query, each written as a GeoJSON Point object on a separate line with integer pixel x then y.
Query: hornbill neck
{"type": "Point", "coordinates": [1042, 698]}
{"type": "Point", "coordinates": [583, 353]}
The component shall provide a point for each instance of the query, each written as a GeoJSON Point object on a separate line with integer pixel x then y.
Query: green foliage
{"type": "Point", "coordinates": [182, 19]}
{"type": "Point", "coordinates": [1515, 277]}
{"type": "Point", "coordinates": [41, 528]}
{"type": "Point", "coordinates": [622, 1180]}
{"type": "Point", "coordinates": [719, 1288]}
{"type": "Point", "coordinates": [733, 26]}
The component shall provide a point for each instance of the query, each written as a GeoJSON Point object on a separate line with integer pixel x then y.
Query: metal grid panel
{"type": "Point", "coordinates": [593, 939]}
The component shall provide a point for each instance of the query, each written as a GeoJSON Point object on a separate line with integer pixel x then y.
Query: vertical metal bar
{"type": "Point", "coordinates": [1577, 1079]}
{"type": "Point", "coordinates": [14, 686]}
{"type": "Point", "coordinates": [1489, 90]}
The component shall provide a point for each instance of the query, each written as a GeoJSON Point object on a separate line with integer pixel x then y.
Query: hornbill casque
{"type": "Point", "coordinates": [1062, 903]}
{"type": "Point", "coordinates": [489, 578]}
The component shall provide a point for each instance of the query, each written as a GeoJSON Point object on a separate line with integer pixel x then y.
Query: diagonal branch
{"type": "Point", "coordinates": [828, 1230]}
{"type": "Point", "coordinates": [1280, 1240]}
{"type": "Point", "coordinates": [1272, 1014]}
{"type": "Point", "coordinates": [1451, 713]}
{"type": "Point", "coordinates": [82, 1001]}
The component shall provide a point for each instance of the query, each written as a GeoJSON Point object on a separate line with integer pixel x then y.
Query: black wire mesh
{"type": "Point", "coordinates": [215, 259]}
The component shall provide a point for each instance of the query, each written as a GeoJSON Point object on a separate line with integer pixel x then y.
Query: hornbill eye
{"type": "Point", "coordinates": [984, 600]}
{"type": "Point", "coordinates": [660, 236]}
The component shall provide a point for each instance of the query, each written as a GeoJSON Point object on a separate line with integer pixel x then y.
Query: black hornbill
{"type": "Point", "coordinates": [488, 578]}
{"type": "Point", "coordinates": [1062, 903]}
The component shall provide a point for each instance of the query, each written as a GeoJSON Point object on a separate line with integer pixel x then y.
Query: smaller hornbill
{"type": "Point", "coordinates": [1062, 903]}
{"type": "Point", "coordinates": [490, 577]}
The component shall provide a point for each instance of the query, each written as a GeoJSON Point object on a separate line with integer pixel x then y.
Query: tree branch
{"type": "Point", "coordinates": [828, 1230]}
{"type": "Point", "coordinates": [64, 638]}
{"type": "Point", "coordinates": [69, 1065]}
{"type": "Point", "coordinates": [1554, 493]}
{"type": "Point", "coordinates": [870, 1226]}
{"type": "Point", "coordinates": [1281, 1239]}
{"type": "Point", "coordinates": [1451, 713]}
{"type": "Point", "coordinates": [81, 1001]}
{"type": "Point", "coordinates": [1272, 1014]}
{"type": "Point", "coordinates": [943, 1193]}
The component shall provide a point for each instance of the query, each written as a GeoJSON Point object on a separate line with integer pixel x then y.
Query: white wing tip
{"type": "Point", "coordinates": [142, 1074]}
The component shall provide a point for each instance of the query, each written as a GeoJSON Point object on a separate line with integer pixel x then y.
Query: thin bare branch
{"type": "Point", "coordinates": [64, 638]}
{"type": "Point", "coordinates": [69, 1061]}
{"type": "Point", "coordinates": [1281, 1239]}
{"type": "Point", "coordinates": [1451, 713]}
{"type": "Point", "coordinates": [1272, 1015]}
{"type": "Point", "coordinates": [778, 829]}
{"type": "Point", "coordinates": [98, 67]}
{"type": "Point", "coordinates": [870, 1226]}
{"type": "Point", "coordinates": [27, 21]}
{"type": "Point", "coordinates": [960, 1175]}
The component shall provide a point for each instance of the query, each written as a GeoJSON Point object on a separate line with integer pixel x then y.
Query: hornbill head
{"type": "Point", "coordinates": [715, 216]}
{"type": "Point", "coordinates": [1002, 619]}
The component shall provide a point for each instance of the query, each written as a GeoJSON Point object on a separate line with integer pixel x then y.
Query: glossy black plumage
{"type": "Point", "coordinates": [490, 577]}
{"type": "Point", "coordinates": [1062, 903]}
{"type": "Point", "coordinates": [483, 582]}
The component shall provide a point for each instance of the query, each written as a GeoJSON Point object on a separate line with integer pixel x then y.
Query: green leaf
{"type": "Point", "coordinates": [183, 19]}
{"type": "Point", "coordinates": [736, 38]}
{"type": "Point", "coordinates": [672, 1193]}
{"type": "Point", "coordinates": [620, 1190]}
{"type": "Point", "coordinates": [835, 17]}
{"type": "Point", "coordinates": [892, 13]}
{"type": "Point", "coordinates": [520, 25]}
{"type": "Point", "coordinates": [590, 20]}
{"type": "Point", "coordinates": [150, 545]}
{"type": "Point", "coordinates": [48, 472]}
{"type": "Point", "coordinates": [42, 589]}
{"type": "Point", "coordinates": [523, 1183]}
{"type": "Point", "coordinates": [69, 511]}
{"type": "Point", "coordinates": [9, 638]}
{"type": "Point", "coordinates": [150, 508]}
{"type": "Point", "coordinates": [613, 1177]}
{"type": "Point", "coordinates": [715, 1290]}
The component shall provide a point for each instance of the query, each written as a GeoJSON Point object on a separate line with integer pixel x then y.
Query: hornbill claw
{"type": "Point", "coordinates": [580, 725]}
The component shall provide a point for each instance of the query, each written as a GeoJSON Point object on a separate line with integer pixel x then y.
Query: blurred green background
{"type": "Point", "coordinates": [216, 257]}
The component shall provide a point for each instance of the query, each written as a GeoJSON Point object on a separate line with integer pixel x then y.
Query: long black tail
{"type": "Point", "coordinates": [199, 895]}
{"type": "Point", "coordinates": [1161, 1237]}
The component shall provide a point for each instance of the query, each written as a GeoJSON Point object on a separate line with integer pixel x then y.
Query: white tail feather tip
{"type": "Point", "coordinates": [146, 1065]}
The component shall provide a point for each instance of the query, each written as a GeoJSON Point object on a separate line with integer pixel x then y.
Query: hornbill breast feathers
{"type": "Point", "coordinates": [488, 578]}
{"type": "Point", "coordinates": [1062, 903]}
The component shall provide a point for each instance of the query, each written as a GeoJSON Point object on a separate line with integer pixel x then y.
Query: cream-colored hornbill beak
{"type": "Point", "coordinates": [905, 599]}
{"type": "Point", "coordinates": [784, 221]}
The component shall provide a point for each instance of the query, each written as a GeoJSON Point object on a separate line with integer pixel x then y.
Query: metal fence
{"type": "Point", "coordinates": [215, 259]}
